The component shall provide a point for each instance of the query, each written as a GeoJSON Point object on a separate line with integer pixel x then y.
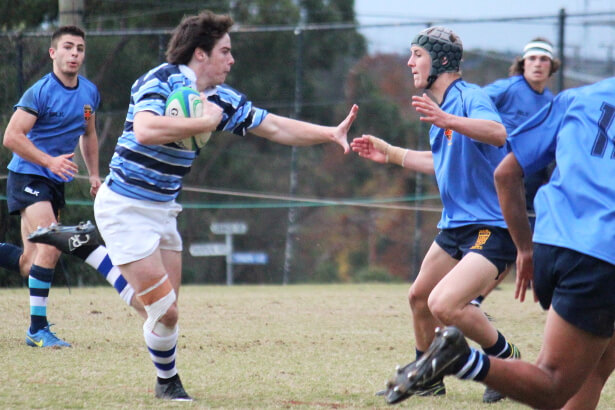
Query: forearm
{"type": "Point", "coordinates": [420, 161]}
{"type": "Point", "coordinates": [511, 195]}
{"type": "Point", "coordinates": [89, 150]}
{"type": "Point", "coordinates": [289, 131]}
{"type": "Point", "coordinates": [487, 131]}
{"type": "Point", "coordinates": [22, 146]}
{"type": "Point", "coordinates": [151, 129]}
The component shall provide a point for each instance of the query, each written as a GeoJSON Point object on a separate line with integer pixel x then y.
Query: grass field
{"type": "Point", "coordinates": [329, 346]}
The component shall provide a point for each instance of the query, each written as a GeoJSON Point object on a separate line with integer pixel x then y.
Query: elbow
{"type": "Point", "coordinates": [142, 135]}
{"type": "Point", "coordinates": [500, 176]}
{"type": "Point", "coordinates": [7, 141]}
{"type": "Point", "coordinates": [505, 174]}
{"type": "Point", "coordinates": [500, 136]}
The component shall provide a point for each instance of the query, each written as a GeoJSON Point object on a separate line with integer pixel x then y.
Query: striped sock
{"type": "Point", "coordinates": [475, 367]}
{"type": "Point", "coordinates": [161, 344]}
{"type": "Point", "coordinates": [98, 258]}
{"type": "Point", "coordinates": [501, 348]}
{"type": "Point", "coordinates": [39, 283]}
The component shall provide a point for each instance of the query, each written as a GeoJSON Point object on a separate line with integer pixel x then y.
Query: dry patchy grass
{"type": "Point", "coordinates": [329, 346]}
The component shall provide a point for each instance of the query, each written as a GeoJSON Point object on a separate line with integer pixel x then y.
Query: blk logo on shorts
{"type": "Point", "coordinates": [31, 191]}
{"type": "Point", "coordinates": [483, 235]}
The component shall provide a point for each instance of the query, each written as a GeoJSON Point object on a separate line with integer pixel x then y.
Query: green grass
{"type": "Point", "coordinates": [329, 346]}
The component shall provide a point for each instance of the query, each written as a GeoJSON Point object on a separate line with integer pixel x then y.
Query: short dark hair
{"type": "Point", "coordinates": [202, 31]}
{"type": "Point", "coordinates": [517, 66]}
{"type": "Point", "coordinates": [72, 30]}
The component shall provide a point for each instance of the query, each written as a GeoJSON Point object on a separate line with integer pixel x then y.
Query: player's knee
{"type": "Point", "coordinates": [171, 316]}
{"type": "Point", "coordinates": [442, 310]}
{"type": "Point", "coordinates": [417, 298]}
{"type": "Point", "coordinates": [47, 255]}
{"type": "Point", "coordinates": [159, 302]}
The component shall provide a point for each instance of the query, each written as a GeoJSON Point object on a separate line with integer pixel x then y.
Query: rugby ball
{"type": "Point", "coordinates": [187, 103]}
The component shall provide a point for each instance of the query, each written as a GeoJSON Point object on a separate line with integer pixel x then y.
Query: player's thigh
{"type": "Point", "coordinates": [465, 281]}
{"type": "Point", "coordinates": [37, 214]}
{"type": "Point", "coordinates": [607, 361]}
{"type": "Point", "coordinates": [568, 353]}
{"type": "Point", "coordinates": [33, 216]}
{"type": "Point", "coordinates": [142, 274]}
{"type": "Point", "coordinates": [172, 262]}
{"type": "Point", "coordinates": [436, 264]}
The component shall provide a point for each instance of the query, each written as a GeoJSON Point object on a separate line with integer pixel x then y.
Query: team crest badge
{"type": "Point", "coordinates": [448, 133]}
{"type": "Point", "coordinates": [87, 112]}
{"type": "Point", "coordinates": [483, 235]}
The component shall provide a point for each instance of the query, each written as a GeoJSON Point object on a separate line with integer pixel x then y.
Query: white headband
{"type": "Point", "coordinates": [538, 48]}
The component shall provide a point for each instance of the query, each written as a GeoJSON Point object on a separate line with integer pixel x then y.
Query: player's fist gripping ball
{"type": "Point", "coordinates": [187, 103]}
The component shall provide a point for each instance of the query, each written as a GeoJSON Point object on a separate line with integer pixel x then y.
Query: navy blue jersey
{"type": "Point", "coordinates": [155, 172]}
{"type": "Point", "coordinates": [463, 166]}
{"type": "Point", "coordinates": [62, 114]}
{"type": "Point", "coordinates": [576, 209]}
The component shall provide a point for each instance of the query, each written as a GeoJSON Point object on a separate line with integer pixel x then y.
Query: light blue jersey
{"type": "Point", "coordinates": [516, 102]}
{"type": "Point", "coordinates": [155, 172]}
{"type": "Point", "coordinates": [61, 114]}
{"type": "Point", "coordinates": [464, 167]}
{"type": "Point", "coordinates": [576, 209]}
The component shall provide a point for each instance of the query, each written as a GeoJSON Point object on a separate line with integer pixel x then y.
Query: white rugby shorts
{"type": "Point", "coordinates": [133, 228]}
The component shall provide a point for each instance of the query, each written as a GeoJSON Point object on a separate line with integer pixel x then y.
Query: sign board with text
{"type": "Point", "coordinates": [208, 249]}
{"type": "Point", "coordinates": [229, 228]}
{"type": "Point", "coordinates": [249, 258]}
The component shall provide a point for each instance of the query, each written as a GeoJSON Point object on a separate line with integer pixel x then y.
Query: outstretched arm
{"type": "Point", "coordinates": [288, 131]}
{"type": "Point", "coordinates": [378, 150]}
{"type": "Point", "coordinates": [511, 194]}
{"type": "Point", "coordinates": [487, 131]}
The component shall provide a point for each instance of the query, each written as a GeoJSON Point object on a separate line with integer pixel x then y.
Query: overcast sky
{"type": "Point", "coordinates": [589, 40]}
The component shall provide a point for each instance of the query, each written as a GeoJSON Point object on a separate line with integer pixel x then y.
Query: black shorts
{"type": "Point", "coordinates": [579, 287]}
{"type": "Point", "coordinates": [23, 190]}
{"type": "Point", "coordinates": [493, 242]}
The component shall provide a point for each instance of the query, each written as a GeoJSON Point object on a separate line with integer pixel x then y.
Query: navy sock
{"type": "Point", "coordinates": [501, 348]}
{"type": "Point", "coordinates": [474, 366]}
{"type": "Point", "coordinates": [9, 256]}
{"type": "Point", "coordinates": [418, 353]}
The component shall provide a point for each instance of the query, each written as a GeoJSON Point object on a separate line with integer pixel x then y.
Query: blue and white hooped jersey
{"type": "Point", "coordinates": [516, 101]}
{"type": "Point", "coordinates": [155, 172]}
{"type": "Point", "coordinates": [464, 167]}
{"type": "Point", "coordinates": [576, 209]}
{"type": "Point", "coordinates": [62, 114]}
